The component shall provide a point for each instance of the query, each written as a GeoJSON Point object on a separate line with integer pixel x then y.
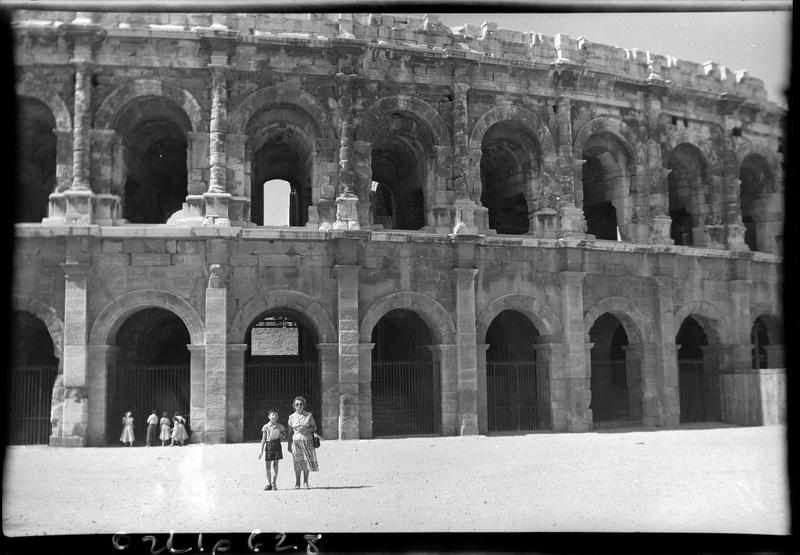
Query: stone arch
{"type": "Point", "coordinates": [693, 138]}
{"type": "Point", "coordinates": [618, 128]}
{"type": "Point", "coordinates": [268, 97]}
{"type": "Point", "coordinates": [432, 313]}
{"type": "Point", "coordinates": [520, 115]}
{"type": "Point", "coordinates": [369, 130]}
{"type": "Point", "coordinates": [773, 317]}
{"type": "Point", "coordinates": [34, 88]}
{"type": "Point", "coordinates": [710, 318]}
{"type": "Point", "coordinates": [539, 313]}
{"type": "Point", "coordinates": [637, 326]}
{"type": "Point", "coordinates": [294, 300]}
{"type": "Point", "coordinates": [46, 314]}
{"type": "Point", "coordinates": [113, 315]}
{"type": "Point", "coordinates": [116, 102]}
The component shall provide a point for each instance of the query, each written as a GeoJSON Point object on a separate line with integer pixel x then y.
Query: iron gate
{"type": "Point", "coordinates": [406, 398]}
{"type": "Point", "coordinates": [275, 385]}
{"type": "Point", "coordinates": [612, 404]}
{"type": "Point", "coordinates": [140, 389]}
{"type": "Point", "coordinates": [699, 392]}
{"type": "Point", "coordinates": [518, 396]}
{"type": "Point", "coordinates": [31, 394]}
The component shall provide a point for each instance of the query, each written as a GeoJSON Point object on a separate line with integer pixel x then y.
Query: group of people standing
{"type": "Point", "coordinates": [302, 441]}
{"type": "Point", "coordinates": [175, 431]}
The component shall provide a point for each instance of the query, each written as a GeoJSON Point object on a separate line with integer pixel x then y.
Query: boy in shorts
{"type": "Point", "coordinates": [271, 435]}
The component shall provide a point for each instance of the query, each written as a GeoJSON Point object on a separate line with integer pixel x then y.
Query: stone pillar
{"type": "Point", "coordinates": [349, 351]}
{"type": "Point", "coordinates": [365, 390]}
{"type": "Point", "coordinates": [715, 361]}
{"type": "Point", "coordinates": [329, 370]}
{"type": "Point", "coordinates": [570, 218]}
{"type": "Point", "coordinates": [642, 384]}
{"type": "Point", "coordinates": [464, 220]}
{"type": "Point", "coordinates": [234, 371]}
{"type": "Point", "coordinates": [217, 198]}
{"type": "Point", "coordinates": [467, 350]}
{"type": "Point", "coordinates": [446, 357]}
{"type": "Point", "coordinates": [553, 355]}
{"type": "Point", "coordinates": [483, 401]}
{"type": "Point", "coordinates": [74, 418]}
{"type": "Point", "coordinates": [216, 354]}
{"type": "Point", "coordinates": [347, 201]}
{"type": "Point", "coordinates": [101, 362]}
{"type": "Point", "coordinates": [741, 322]}
{"type": "Point", "coordinates": [576, 365]}
{"type": "Point", "coordinates": [79, 197]}
{"type": "Point", "coordinates": [665, 370]}
{"type": "Point", "coordinates": [197, 391]}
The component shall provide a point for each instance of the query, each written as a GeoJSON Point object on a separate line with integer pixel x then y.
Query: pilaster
{"type": "Point", "coordinates": [664, 372]}
{"type": "Point", "coordinates": [349, 351]}
{"type": "Point", "coordinates": [101, 361]}
{"type": "Point", "coordinates": [467, 350]}
{"type": "Point", "coordinates": [553, 355]}
{"type": "Point", "coordinates": [576, 367]}
{"type": "Point", "coordinates": [570, 218]}
{"type": "Point", "coordinates": [329, 368]}
{"type": "Point", "coordinates": [216, 355]}
{"type": "Point", "coordinates": [197, 391]}
{"type": "Point", "coordinates": [365, 390]}
{"type": "Point", "coordinates": [235, 391]}
{"type": "Point", "coordinates": [483, 401]}
{"type": "Point", "coordinates": [446, 357]}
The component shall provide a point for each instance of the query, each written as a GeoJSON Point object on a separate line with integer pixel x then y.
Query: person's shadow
{"type": "Point", "coordinates": [340, 487]}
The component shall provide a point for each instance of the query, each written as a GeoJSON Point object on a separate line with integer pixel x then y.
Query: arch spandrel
{"type": "Point", "coordinates": [370, 128]}
{"type": "Point", "coordinates": [688, 136]}
{"type": "Point", "coordinates": [516, 114]}
{"type": "Point", "coordinates": [48, 315]}
{"type": "Point", "coordinates": [710, 318]}
{"type": "Point", "coordinates": [438, 320]}
{"type": "Point", "coordinates": [268, 97]}
{"type": "Point", "coordinates": [618, 128]}
{"type": "Point", "coordinates": [34, 88]}
{"type": "Point", "coordinates": [120, 98]}
{"type": "Point", "coordinates": [114, 314]}
{"type": "Point", "coordinates": [539, 313]}
{"type": "Point", "coordinates": [638, 327]}
{"type": "Point", "coordinates": [311, 309]}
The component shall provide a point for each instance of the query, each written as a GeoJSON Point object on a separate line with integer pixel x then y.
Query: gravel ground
{"type": "Point", "coordinates": [729, 479]}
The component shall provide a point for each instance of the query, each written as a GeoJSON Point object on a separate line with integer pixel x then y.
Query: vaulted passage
{"type": "Point", "coordinates": [36, 150]}
{"type": "Point", "coordinates": [756, 184]}
{"type": "Point", "coordinates": [606, 183]}
{"type": "Point", "coordinates": [688, 186]}
{"type": "Point", "coordinates": [616, 389]}
{"type": "Point", "coordinates": [151, 371]}
{"type": "Point", "coordinates": [281, 362]}
{"type": "Point", "coordinates": [510, 161]}
{"type": "Point", "coordinates": [399, 169]}
{"type": "Point", "coordinates": [517, 383]}
{"type": "Point", "coordinates": [697, 380]}
{"type": "Point", "coordinates": [405, 382]}
{"type": "Point", "coordinates": [154, 138]}
{"type": "Point", "coordinates": [33, 371]}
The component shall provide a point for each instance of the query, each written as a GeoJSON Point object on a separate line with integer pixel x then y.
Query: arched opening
{"type": "Point", "coordinates": [616, 391]}
{"type": "Point", "coordinates": [281, 362]}
{"type": "Point", "coordinates": [510, 161]}
{"type": "Point", "coordinates": [277, 202]}
{"type": "Point", "coordinates": [154, 139]}
{"type": "Point", "coordinates": [606, 187]}
{"type": "Point", "coordinates": [687, 183]}
{"type": "Point", "coordinates": [405, 382]}
{"type": "Point", "coordinates": [754, 189]}
{"type": "Point", "coordinates": [765, 338]}
{"type": "Point", "coordinates": [151, 371]}
{"type": "Point", "coordinates": [282, 150]}
{"type": "Point", "coordinates": [698, 386]}
{"type": "Point", "coordinates": [36, 165]}
{"type": "Point", "coordinates": [34, 367]}
{"type": "Point", "coordinates": [517, 384]}
{"type": "Point", "coordinates": [400, 169]}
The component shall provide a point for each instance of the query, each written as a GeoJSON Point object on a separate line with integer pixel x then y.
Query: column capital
{"type": "Point", "coordinates": [465, 274]}
{"type": "Point", "coordinates": [362, 347]}
{"type": "Point", "coordinates": [346, 271]}
{"type": "Point", "coordinates": [233, 347]}
{"type": "Point", "coordinates": [196, 348]}
{"type": "Point", "coordinates": [75, 269]}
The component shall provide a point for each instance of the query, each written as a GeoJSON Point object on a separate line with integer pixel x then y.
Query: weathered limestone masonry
{"type": "Point", "coordinates": [608, 206]}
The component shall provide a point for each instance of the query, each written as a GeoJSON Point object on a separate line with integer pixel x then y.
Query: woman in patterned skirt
{"type": "Point", "coordinates": [302, 442]}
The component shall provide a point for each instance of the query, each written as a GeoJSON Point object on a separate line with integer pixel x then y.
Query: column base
{"type": "Point", "coordinates": [216, 209]}
{"type": "Point", "coordinates": [346, 212]}
{"type": "Point", "coordinates": [544, 223]}
{"type": "Point", "coordinates": [72, 207]}
{"type": "Point", "coordinates": [735, 237]}
{"type": "Point", "coordinates": [106, 209]}
{"type": "Point", "coordinates": [571, 222]}
{"type": "Point", "coordinates": [660, 231]}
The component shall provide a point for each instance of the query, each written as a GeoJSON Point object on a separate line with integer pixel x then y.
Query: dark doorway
{"type": "Point", "coordinates": [698, 388]}
{"type": "Point", "coordinates": [151, 372]}
{"type": "Point", "coordinates": [517, 384]}
{"type": "Point", "coordinates": [281, 362]}
{"type": "Point", "coordinates": [616, 392]}
{"type": "Point", "coordinates": [34, 367]}
{"type": "Point", "coordinates": [36, 149]}
{"type": "Point", "coordinates": [406, 397]}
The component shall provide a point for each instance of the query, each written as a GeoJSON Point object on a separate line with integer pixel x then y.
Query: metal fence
{"type": "Point", "coordinates": [698, 391]}
{"type": "Point", "coordinates": [616, 396]}
{"type": "Point", "coordinates": [518, 396]}
{"type": "Point", "coordinates": [406, 398]}
{"type": "Point", "coordinates": [140, 389]}
{"type": "Point", "coordinates": [31, 394]}
{"type": "Point", "coordinates": [275, 385]}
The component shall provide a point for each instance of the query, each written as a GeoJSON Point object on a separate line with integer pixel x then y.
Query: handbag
{"type": "Point", "coordinates": [315, 440]}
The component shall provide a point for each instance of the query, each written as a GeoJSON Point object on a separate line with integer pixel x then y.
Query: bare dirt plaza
{"type": "Point", "coordinates": [726, 480]}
